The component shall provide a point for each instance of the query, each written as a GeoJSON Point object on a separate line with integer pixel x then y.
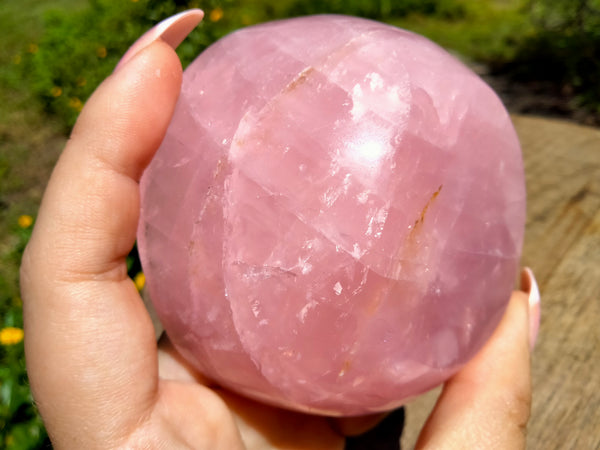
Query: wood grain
{"type": "Point", "coordinates": [562, 246]}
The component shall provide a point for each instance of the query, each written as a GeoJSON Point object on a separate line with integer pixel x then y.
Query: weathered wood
{"type": "Point", "coordinates": [562, 245]}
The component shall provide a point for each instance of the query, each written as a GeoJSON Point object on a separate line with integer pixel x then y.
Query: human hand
{"type": "Point", "coordinates": [99, 378]}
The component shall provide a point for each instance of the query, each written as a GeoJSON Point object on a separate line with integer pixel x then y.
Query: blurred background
{"type": "Point", "coordinates": [542, 57]}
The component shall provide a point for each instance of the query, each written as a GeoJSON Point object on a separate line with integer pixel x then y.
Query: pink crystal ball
{"type": "Point", "coordinates": [333, 223]}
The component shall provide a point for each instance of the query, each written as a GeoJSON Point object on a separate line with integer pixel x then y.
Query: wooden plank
{"type": "Point", "coordinates": [566, 363]}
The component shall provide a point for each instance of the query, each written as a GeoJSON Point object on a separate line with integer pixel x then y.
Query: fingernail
{"type": "Point", "coordinates": [530, 286]}
{"type": "Point", "coordinates": [172, 30]}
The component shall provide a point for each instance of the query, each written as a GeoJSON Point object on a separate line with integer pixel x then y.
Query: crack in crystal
{"type": "Point", "coordinates": [320, 232]}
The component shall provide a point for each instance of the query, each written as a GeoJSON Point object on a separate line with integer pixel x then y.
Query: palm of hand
{"type": "Point", "coordinates": [201, 416]}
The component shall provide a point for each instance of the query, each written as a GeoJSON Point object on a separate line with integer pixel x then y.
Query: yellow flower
{"type": "Point", "coordinates": [81, 81]}
{"type": "Point", "coordinates": [101, 52]}
{"type": "Point", "coordinates": [216, 15]}
{"type": "Point", "coordinates": [25, 221]}
{"type": "Point", "coordinates": [11, 336]}
{"type": "Point", "coordinates": [56, 91]}
{"type": "Point", "coordinates": [32, 48]}
{"type": "Point", "coordinates": [140, 281]}
{"type": "Point", "coordinates": [17, 59]}
{"type": "Point", "coordinates": [75, 103]}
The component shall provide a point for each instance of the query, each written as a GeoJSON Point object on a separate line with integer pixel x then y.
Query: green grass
{"type": "Point", "coordinates": [489, 32]}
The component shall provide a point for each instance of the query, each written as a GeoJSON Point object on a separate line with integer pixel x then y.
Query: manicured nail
{"type": "Point", "coordinates": [172, 30]}
{"type": "Point", "coordinates": [530, 286]}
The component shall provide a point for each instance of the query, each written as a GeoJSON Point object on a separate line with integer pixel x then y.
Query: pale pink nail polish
{"type": "Point", "coordinates": [172, 30]}
{"type": "Point", "coordinates": [530, 286]}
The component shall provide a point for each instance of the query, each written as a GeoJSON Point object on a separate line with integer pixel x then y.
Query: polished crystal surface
{"type": "Point", "coordinates": [334, 220]}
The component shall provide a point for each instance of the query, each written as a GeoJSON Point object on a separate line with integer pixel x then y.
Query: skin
{"type": "Point", "coordinates": [98, 376]}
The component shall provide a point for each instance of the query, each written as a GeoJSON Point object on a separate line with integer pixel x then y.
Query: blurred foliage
{"type": "Point", "coordinates": [567, 16]}
{"type": "Point", "coordinates": [532, 39]}
{"type": "Point", "coordinates": [487, 31]}
{"type": "Point", "coordinates": [375, 9]}
{"type": "Point", "coordinates": [564, 48]}
{"type": "Point", "coordinates": [78, 50]}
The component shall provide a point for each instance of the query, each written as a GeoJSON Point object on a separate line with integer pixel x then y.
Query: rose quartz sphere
{"type": "Point", "coordinates": [334, 220]}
